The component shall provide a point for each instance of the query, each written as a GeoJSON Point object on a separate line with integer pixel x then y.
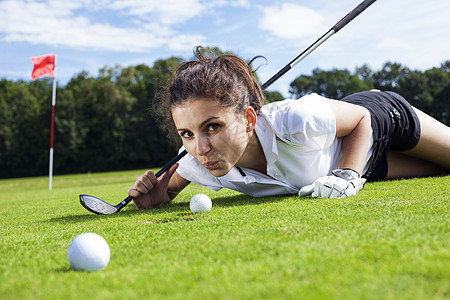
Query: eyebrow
{"type": "Point", "coordinates": [202, 123]}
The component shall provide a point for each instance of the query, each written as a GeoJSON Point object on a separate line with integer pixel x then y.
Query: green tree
{"type": "Point", "coordinates": [388, 78]}
{"type": "Point", "coordinates": [365, 73]}
{"type": "Point", "coordinates": [334, 84]}
{"type": "Point", "coordinates": [272, 97]}
{"type": "Point", "coordinates": [427, 91]}
{"type": "Point", "coordinates": [105, 107]}
{"type": "Point", "coordinates": [148, 143]}
{"type": "Point", "coordinates": [438, 86]}
{"type": "Point", "coordinates": [445, 66]}
{"type": "Point", "coordinates": [22, 133]}
{"type": "Point", "coordinates": [413, 87]}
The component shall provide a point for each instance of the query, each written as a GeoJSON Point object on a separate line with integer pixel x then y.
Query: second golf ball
{"type": "Point", "coordinates": [200, 203]}
{"type": "Point", "coordinates": [88, 252]}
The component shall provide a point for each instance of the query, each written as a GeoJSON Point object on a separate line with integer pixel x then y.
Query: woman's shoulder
{"type": "Point", "coordinates": [299, 120]}
{"type": "Point", "coordinates": [304, 108]}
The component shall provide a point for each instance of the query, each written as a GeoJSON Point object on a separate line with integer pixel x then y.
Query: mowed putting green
{"type": "Point", "coordinates": [391, 241]}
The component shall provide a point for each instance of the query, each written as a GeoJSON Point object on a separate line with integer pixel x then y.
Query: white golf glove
{"type": "Point", "coordinates": [343, 183]}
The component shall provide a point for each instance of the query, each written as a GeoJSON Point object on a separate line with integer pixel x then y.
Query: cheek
{"type": "Point", "coordinates": [188, 145]}
{"type": "Point", "coordinates": [239, 133]}
{"type": "Point", "coordinates": [220, 141]}
{"type": "Point", "coordinates": [236, 138]}
{"type": "Point", "coordinates": [227, 143]}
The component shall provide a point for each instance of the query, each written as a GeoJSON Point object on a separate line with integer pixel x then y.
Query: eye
{"type": "Point", "coordinates": [186, 134]}
{"type": "Point", "coordinates": [213, 127]}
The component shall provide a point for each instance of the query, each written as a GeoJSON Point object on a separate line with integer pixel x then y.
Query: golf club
{"type": "Point", "coordinates": [98, 206]}
{"type": "Point", "coordinates": [339, 25]}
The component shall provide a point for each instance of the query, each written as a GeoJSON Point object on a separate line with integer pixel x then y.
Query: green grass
{"type": "Point", "coordinates": [391, 241]}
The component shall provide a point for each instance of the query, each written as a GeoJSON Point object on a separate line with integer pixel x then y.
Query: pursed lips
{"type": "Point", "coordinates": [210, 165]}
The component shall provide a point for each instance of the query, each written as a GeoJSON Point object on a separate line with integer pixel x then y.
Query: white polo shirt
{"type": "Point", "coordinates": [298, 141]}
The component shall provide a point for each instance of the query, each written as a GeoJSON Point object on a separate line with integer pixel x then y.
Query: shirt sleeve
{"type": "Point", "coordinates": [308, 122]}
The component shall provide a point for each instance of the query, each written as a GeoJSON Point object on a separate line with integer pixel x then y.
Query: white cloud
{"type": "Point", "coordinates": [166, 12]}
{"type": "Point", "coordinates": [63, 23]}
{"type": "Point", "coordinates": [240, 3]}
{"type": "Point", "coordinates": [290, 21]}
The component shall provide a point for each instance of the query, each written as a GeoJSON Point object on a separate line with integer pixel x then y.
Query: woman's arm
{"type": "Point", "coordinates": [176, 185]}
{"type": "Point", "coordinates": [353, 125]}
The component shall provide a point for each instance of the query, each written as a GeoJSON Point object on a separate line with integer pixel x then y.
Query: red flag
{"type": "Point", "coordinates": [43, 65]}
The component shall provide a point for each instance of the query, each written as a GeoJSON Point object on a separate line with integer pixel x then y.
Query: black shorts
{"type": "Point", "coordinates": [395, 126]}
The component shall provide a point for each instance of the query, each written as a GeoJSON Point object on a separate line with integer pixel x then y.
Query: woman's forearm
{"type": "Point", "coordinates": [356, 144]}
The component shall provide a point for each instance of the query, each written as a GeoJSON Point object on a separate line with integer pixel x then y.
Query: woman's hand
{"type": "Point", "coordinates": [342, 184]}
{"type": "Point", "coordinates": [149, 191]}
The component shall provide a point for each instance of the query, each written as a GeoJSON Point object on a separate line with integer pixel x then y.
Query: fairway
{"type": "Point", "coordinates": [391, 241]}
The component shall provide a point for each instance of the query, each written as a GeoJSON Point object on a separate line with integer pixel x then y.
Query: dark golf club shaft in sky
{"type": "Point", "coordinates": [339, 25]}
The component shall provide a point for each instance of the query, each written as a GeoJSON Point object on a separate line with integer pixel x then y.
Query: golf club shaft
{"type": "Point", "coordinates": [338, 26]}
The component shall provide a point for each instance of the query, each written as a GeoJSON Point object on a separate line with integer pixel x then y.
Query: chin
{"type": "Point", "coordinates": [219, 172]}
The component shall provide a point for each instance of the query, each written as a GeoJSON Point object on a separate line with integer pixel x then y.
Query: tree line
{"type": "Point", "coordinates": [429, 90]}
{"type": "Point", "coordinates": [106, 123]}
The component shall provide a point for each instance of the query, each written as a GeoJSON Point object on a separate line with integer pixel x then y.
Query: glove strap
{"type": "Point", "coordinates": [347, 174]}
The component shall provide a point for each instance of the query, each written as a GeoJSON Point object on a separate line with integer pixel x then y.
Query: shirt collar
{"type": "Point", "coordinates": [267, 138]}
{"type": "Point", "coordinates": [235, 176]}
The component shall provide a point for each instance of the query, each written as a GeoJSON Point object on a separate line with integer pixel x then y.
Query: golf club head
{"type": "Point", "coordinates": [96, 205]}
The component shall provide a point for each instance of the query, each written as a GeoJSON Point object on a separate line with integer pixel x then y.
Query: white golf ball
{"type": "Point", "coordinates": [200, 203]}
{"type": "Point", "coordinates": [88, 252]}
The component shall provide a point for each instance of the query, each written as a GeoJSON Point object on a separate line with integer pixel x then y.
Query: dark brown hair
{"type": "Point", "coordinates": [225, 78]}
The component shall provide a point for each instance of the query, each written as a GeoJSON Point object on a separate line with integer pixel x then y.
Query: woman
{"type": "Point", "coordinates": [312, 145]}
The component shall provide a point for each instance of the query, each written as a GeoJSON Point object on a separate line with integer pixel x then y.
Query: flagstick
{"type": "Point", "coordinates": [50, 168]}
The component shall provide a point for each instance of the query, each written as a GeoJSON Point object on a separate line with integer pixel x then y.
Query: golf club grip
{"type": "Point", "coordinates": [350, 16]}
{"type": "Point", "coordinates": [126, 201]}
{"type": "Point", "coordinates": [170, 163]}
{"type": "Point", "coordinates": [276, 76]}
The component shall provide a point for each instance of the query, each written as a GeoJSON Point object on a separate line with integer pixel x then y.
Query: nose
{"type": "Point", "coordinates": [203, 145]}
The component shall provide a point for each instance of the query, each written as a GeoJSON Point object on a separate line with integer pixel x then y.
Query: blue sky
{"type": "Point", "coordinates": [87, 35]}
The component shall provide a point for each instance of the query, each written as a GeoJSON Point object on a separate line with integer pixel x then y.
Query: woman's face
{"type": "Point", "coordinates": [215, 135]}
